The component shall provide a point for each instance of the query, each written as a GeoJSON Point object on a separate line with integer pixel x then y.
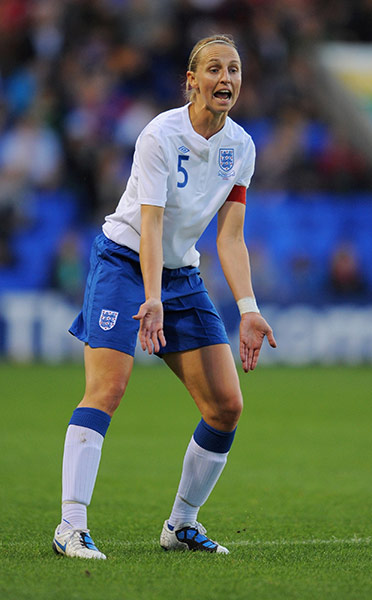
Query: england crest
{"type": "Point", "coordinates": [226, 159]}
{"type": "Point", "coordinates": [107, 319]}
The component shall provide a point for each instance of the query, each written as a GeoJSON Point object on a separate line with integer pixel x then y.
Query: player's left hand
{"type": "Point", "coordinates": [253, 329]}
{"type": "Point", "coordinates": [151, 334]}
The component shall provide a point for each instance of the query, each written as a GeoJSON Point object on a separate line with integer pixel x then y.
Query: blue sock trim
{"type": "Point", "coordinates": [93, 418]}
{"type": "Point", "coordinates": [212, 439]}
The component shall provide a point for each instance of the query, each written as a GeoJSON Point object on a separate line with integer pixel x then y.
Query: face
{"type": "Point", "coordinates": [217, 78]}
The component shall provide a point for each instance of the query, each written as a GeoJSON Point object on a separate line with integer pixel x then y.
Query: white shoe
{"type": "Point", "coordinates": [76, 542]}
{"type": "Point", "coordinates": [189, 537]}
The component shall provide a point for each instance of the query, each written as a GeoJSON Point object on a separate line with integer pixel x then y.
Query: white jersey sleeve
{"type": "Point", "coordinates": [248, 168]}
{"type": "Point", "coordinates": [152, 170]}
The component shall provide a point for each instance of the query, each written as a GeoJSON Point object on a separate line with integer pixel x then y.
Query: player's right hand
{"type": "Point", "coordinates": [151, 334]}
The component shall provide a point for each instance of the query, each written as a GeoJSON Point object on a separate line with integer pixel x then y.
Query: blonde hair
{"type": "Point", "coordinates": [195, 56]}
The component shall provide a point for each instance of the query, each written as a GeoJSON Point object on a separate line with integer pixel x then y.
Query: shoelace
{"type": "Point", "coordinates": [194, 536]}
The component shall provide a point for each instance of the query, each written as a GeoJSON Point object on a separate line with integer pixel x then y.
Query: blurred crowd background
{"type": "Point", "coordinates": [79, 79]}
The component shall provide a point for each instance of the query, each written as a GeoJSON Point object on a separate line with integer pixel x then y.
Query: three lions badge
{"type": "Point", "coordinates": [107, 319]}
{"type": "Point", "coordinates": [226, 162]}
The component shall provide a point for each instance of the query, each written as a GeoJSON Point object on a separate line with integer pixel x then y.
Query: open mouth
{"type": "Point", "coordinates": [223, 94]}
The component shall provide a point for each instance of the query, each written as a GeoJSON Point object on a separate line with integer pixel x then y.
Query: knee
{"type": "Point", "coordinates": [113, 394]}
{"type": "Point", "coordinates": [105, 395]}
{"type": "Point", "coordinates": [230, 413]}
{"type": "Point", "coordinates": [227, 412]}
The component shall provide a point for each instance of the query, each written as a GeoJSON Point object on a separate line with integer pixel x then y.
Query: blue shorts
{"type": "Point", "coordinates": [114, 293]}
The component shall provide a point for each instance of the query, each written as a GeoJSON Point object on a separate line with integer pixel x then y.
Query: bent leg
{"type": "Point", "coordinates": [210, 375]}
{"type": "Point", "coordinates": [107, 374]}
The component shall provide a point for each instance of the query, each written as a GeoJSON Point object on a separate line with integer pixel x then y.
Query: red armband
{"type": "Point", "coordinates": [237, 194]}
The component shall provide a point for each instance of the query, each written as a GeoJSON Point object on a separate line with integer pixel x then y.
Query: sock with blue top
{"type": "Point", "coordinates": [81, 458]}
{"type": "Point", "coordinates": [204, 461]}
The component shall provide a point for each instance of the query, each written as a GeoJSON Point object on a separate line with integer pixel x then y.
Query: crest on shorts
{"type": "Point", "coordinates": [107, 319]}
{"type": "Point", "coordinates": [226, 159]}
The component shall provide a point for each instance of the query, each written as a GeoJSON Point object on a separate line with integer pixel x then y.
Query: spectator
{"type": "Point", "coordinates": [69, 274]}
{"type": "Point", "coordinates": [346, 279]}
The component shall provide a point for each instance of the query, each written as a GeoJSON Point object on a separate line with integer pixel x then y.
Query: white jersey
{"type": "Point", "coordinates": [191, 177]}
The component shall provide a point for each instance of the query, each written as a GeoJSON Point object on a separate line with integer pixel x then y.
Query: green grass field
{"type": "Point", "coordinates": [293, 505]}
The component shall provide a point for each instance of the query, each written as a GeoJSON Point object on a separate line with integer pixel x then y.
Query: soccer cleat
{"type": "Point", "coordinates": [76, 543]}
{"type": "Point", "coordinates": [189, 537]}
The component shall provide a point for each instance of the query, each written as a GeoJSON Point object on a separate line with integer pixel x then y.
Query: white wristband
{"type": "Point", "coordinates": [247, 304]}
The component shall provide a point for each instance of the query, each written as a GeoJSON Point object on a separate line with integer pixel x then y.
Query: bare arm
{"type": "Point", "coordinates": [234, 258]}
{"type": "Point", "coordinates": [150, 312]}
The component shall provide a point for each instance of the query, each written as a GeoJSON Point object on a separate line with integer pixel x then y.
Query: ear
{"type": "Point", "coordinates": [192, 80]}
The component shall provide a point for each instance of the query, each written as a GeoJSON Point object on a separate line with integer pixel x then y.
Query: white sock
{"type": "Point", "coordinates": [73, 515]}
{"type": "Point", "coordinates": [200, 473]}
{"type": "Point", "coordinates": [82, 454]}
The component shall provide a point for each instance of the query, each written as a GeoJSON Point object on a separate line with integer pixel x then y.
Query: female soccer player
{"type": "Point", "coordinates": [189, 164]}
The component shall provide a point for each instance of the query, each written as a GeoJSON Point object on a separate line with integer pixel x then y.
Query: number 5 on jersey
{"type": "Point", "coordinates": [182, 170]}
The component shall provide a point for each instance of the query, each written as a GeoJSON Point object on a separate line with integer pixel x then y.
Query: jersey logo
{"type": "Point", "coordinates": [226, 162]}
{"type": "Point", "coordinates": [226, 159]}
{"type": "Point", "coordinates": [107, 319]}
{"type": "Point", "coordinates": [184, 149]}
